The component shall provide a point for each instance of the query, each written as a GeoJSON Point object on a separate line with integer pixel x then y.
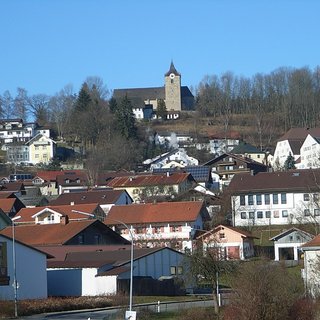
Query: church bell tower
{"type": "Point", "coordinates": [173, 89]}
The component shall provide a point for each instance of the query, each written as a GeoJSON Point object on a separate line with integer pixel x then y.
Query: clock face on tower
{"type": "Point", "coordinates": [171, 75]}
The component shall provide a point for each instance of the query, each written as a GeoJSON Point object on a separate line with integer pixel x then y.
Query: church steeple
{"type": "Point", "coordinates": [172, 70]}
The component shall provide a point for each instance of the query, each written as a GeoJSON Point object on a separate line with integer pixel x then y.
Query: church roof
{"type": "Point", "coordinates": [172, 70]}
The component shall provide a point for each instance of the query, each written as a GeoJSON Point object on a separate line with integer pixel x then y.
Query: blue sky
{"type": "Point", "coordinates": [47, 44]}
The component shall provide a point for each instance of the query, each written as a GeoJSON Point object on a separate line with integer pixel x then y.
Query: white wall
{"type": "Point", "coordinates": [295, 206]}
{"type": "Point", "coordinates": [311, 272]}
{"type": "Point", "coordinates": [30, 272]}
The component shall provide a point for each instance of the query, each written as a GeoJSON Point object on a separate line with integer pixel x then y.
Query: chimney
{"type": "Point", "coordinates": [64, 220]}
{"type": "Point", "coordinates": [252, 172]}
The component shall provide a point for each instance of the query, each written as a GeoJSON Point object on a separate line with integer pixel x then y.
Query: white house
{"type": "Point", "coordinates": [288, 242]}
{"type": "Point", "coordinates": [30, 270]}
{"type": "Point", "coordinates": [160, 224]}
{"type": "Point", "coordinates": [276, 198]}
{"type": "Point", "coordinates": [291, 143]}
{"type": "Point", "coordinates": [310, 153]}
{"type": "Point", "coordinates": [97, 272]}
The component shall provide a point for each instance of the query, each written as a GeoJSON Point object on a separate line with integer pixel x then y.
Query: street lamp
{"type": "Point", "coordinates": [15, 283]}
{"type": "Point", "coordinates": [129, 314]}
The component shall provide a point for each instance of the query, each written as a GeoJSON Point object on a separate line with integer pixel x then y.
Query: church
{"type": "Point", "coordinates": [176, 97]}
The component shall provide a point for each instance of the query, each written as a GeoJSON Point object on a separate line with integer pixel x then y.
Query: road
{"type": "Point", "coordinates": [110, 313]}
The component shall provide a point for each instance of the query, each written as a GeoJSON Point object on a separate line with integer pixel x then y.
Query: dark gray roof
{"type": "Point", "coordinates": [141, 93]}
{"type": "Point", "coordinates": [243, 148]}
{"type": "Point", "coordinates": [172, 70]}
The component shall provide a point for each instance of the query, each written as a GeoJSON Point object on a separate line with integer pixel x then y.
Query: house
{"type": "Point", "coordinates": [276, 198]}
{"type": "Point", "coordinates": [232, 243]}
{"type": "Point", "coordinates": [41, 149]}
{"type": "Point", "coordinates": [223, 142]}
{"type": "Point", "coordinates": [94, 273]}
{"type": "Point", "coordinates": [85, 232]}
{"type": "Point", "coordinates": [159, 224]}
{"type": "Point", "coordinates": [18, 153]}
{"type": "Point", "coordinates": [175, 96]}
{"type": "Point", "coordinates": [145, 186]}
{"type": "Point", "coordinates": [57, 214]}
{"type": "Point", "coordinates": [72, 181]}
{"type": "Point", "coordinates": [227, 165]}
{"type": "Point", "coordinates": [12, 130]}
{"type": "Point", "coordinates": [310, 273]}
{"type": "Point", "coordinates": [290, 144]}
{"type": "Point", "coordinates": [174, 158]}
{"type": "Point", "coordinates": [201, 174]}
{"type": "Point", "coordinates": [247, 150]}
{"type": "Point", "coordinates": [310, 152]}
{"type": "Point", "coordinates": [105, 198]}
{"type": "Point", "coordinates": [288, 242]}
{"type": "Point", "coordinates": [29, 271]}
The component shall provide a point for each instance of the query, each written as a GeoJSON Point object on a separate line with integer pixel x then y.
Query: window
{"type": "Point", "coordinates": [276, 214]}
{"type": "Point", "coordinates": [275, 198]}
{"type": "Point", "coordinates": [306, 197]}
{"type": "Point", "coordinates": [176, 229]}
{"type": "Point", "coordinates": [173, 270]}
{"type": "Point", "coordinates": [180, 270]}
{"type": "Point", "coordinates": [158, 229]}
{"type": "Point", "coordinates": [268, 214]}
{"type": "Point", "coordinates": [259, 214]}
{"type": "Point", "coordinates": [243, 215]}
{"type": "Point", "coordinates": [316, 197]}
{"type": "Point", "coordinates": [97, 238]}
{"type": "Point", "coordinates": [283, 198]}
{"type": "Point", "coordinates": [242, 200]}
{"type": "Point", "coordinates": [306, 212]}
{"type": "Point", "coordinates": [284, 213]}
{"type": "Point", "coordinates": [267, 199]}
{"type": "Point", "coordinates": [259, 199]}
{"type": "Point", "coordinates": [251, 215]}
{"type": "Point", "coordinates": [36, 156]}
{"type": "Point", "coordinates": [250, 199]}
{"type": "Point", "coordinates": [222, 235]}
{"type": "Point", "coordinates": [316, 212]}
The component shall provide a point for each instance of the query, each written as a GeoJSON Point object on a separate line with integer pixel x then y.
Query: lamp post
{"type": "Point", "coordinates": [131, 314]}
{"type": "Point", "coordinates": [15, 283]}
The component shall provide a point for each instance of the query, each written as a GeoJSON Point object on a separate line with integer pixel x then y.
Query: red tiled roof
{"type": "Point", "coordinates": [94, 196]}
{"type": "Point", "coordinates": [52, 175]}
{"type": "Point", "coordinates": [12, 186]}
{"type": "Point", "coordinates": [7, 204]}
{"type": "Point", "coordinates": [315, 242]}
{"type": "Point", "coordinates": [149, 180]}
{"type": "Point", "coordinates": [155, 212]}
{"type": "Point", "coordinates": [72, 211]}
{"type": "Point", "coordinates": [7, 194]}
{"type": "Point", "coordinates": [46, 234]}
{"type": "Point", "coordinates": [294, 180]}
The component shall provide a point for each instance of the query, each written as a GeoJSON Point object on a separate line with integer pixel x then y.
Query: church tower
{"type": "Point", "coordinates": [173, 89]}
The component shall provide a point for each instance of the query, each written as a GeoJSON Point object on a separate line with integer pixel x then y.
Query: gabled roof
{"type": "Point", "coordinates": [49, 234]}
{"type": "Point", "coordinates": [74, 212]}
{"type": "Point", "coordinates": [52, 175]}
{"type": "Point", "coordinates": [12, 187]}
{"type": "Point", "coordinates": [93, 196]}
{"type": "Point", "coordinates": [287, 232]}
{"type": "Point", "coordinates": [96, 259]}
{"type": "Point", "coordinates": [313, 244]}
{"type": "Point", "coordinates": [73, 178]}
{"type": "Point", "coordinates": [49, 256]}
{"type": "Point", "coordinates": [306, 180]}
{"type": "Point", "coordinates": [186, 211]}
{"type": "Point", "coordinates": [237, 157]}
{"type": "Point", "coordinates": [7, 204]}
{"type": "Point", "coordinates": [243, 233]}
{"type": "Point", "coordinates": [199, 173]}
{"type": "Point", "coordinates": [149, 180]}
{"type": "Point", "coordinates": [300, 134]}
{"type": "Point", "coordinates": [243, 148]}
{"type": "Point", "coordinates": [37, 137]}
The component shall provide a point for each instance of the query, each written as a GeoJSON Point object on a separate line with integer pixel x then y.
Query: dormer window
{"type": "Point", "coordinates": [78, 180]}
{"type": "Point", "coordinates": [67, 181]}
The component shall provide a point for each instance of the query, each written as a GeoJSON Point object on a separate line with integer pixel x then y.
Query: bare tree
{"type": "Point", "coordinates": [20, 103]}
{"type": "Point", "coordinates": [38, 107]}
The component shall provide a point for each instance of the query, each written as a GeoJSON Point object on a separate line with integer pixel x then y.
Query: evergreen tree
{"type": "Point", "coordinates": [112, 105]}
{"type": "Point", "coordinates": [84, 99]}
{"type": "Point", "coordinates": [125, 119]}
{"type": "Point", "coordinates": [161, 109]}
{"type": "Point", "coordinates": [289, 163]}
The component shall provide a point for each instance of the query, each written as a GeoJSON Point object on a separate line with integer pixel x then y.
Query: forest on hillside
{"type": "Point", "coordinates": [261, 107]}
